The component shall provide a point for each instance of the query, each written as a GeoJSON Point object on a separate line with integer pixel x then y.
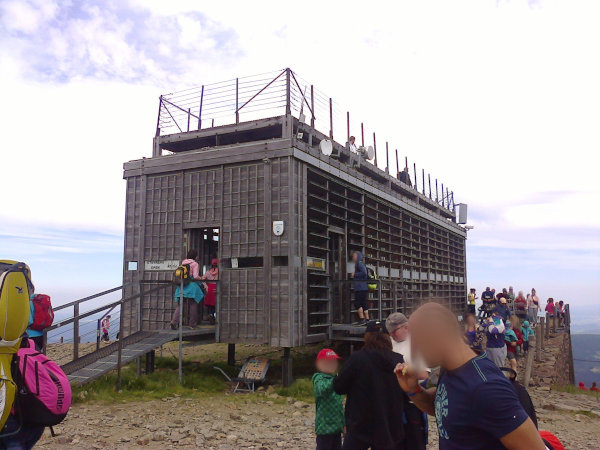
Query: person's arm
{"type": "Point", "coordinates": [409, 382]}
{"type": "Point", "coordinates": [342, 383]}
{"type": "Point", "coordinates": [322, 386]}
{"type": "Point", "coordinates": [525, 437]}
{"type": "Point", "coordinates": [360, 271]}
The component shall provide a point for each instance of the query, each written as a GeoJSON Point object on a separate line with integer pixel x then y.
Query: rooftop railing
{"type": "Point", "coordinates": [279, 93]}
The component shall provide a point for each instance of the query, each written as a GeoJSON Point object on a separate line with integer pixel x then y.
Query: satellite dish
{"type": "Point", "coordinates": [370, 152]}
{"type": "Point", "coordinates": [326, 147]}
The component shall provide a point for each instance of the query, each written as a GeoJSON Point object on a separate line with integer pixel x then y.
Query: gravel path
{"type": "Point", "coordinates": [264, 422]}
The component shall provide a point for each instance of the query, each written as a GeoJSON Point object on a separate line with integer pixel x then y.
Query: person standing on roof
{"type": "Point", "coordinates": [404, 177]}
{"type": "Point", "coordinates": [360, 288]}
{"type": "Point", "coordinates": [351, 145]}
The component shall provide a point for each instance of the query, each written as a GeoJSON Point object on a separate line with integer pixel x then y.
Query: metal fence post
{"type": "Point", "coordinates": [375, 148]}
{"type": "Point", "coordinates": [181, 332]}
{"type": "Point", "coordinates": [288, 105]}
{"type": "Point", "coordinates": [75, 331]}
{"type": "Point", "coordinates": [237, 94]}
{"type": "Point", "coordinates": [98, 335]}
{"type": "Point", "coordinates": [200, 110]}
{"type": "Point", "coordinates": [312, 106]}
{"type": "Point", "coordinates": [379, 299]}
{"type": "Point", "coordinates": [120, 345]}
{"type": "Point", "coordinates": [330, 118]}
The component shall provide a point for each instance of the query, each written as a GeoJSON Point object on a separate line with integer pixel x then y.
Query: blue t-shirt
{"type": "Point", "coordinates": [475, 405]}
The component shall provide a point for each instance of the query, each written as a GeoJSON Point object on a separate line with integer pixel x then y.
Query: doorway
{"type": "Point", "coordinates": [206, 241]}
{"type": "Point", "coordinates": [337, 272]}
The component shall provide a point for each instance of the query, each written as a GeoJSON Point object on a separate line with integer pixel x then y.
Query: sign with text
{"type": "Point", "coordinates": [161, 265]}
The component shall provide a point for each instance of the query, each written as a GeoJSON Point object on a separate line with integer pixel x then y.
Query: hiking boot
{"type": "Point", "coordinates": [173, 327]}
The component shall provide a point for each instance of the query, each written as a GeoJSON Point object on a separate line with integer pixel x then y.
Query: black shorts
{"type": "Point", "coordinates": [360, 300]}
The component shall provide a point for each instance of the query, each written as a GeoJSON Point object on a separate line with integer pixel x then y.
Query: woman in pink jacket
{"type": "Point", "coordinates": [211, 292]}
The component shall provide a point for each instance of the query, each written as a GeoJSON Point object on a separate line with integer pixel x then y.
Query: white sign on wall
{"type": "Point", "coordinates": [161, 265]}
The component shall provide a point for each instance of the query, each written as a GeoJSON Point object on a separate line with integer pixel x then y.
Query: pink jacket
{"type": "Point", "coordinates": [194, 267]}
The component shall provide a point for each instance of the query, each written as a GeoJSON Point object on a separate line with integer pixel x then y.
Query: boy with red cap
{"type": "Point", "coordinates": [329, 417]}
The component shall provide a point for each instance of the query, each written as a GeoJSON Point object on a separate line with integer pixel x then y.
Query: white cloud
{"type": "Point", "coordinates": [496, 99]}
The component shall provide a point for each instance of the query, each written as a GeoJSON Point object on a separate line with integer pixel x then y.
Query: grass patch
{"type": "Point", "coordinates": [198, 379]}
{"type": "Point", "coordinates": [571, 389]}
{"type": "Point", "coordinates": [301, 389]}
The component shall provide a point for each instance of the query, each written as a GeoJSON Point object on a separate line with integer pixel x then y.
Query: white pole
{"type": "Point", "coordinates": [181, 332]}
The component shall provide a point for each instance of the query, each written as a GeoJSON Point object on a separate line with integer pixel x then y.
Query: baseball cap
{"type": "Point", "coordinates": [502, 299]}
{"type": "Point", "coordinates": [327, 353]}
{"type": "Point", "coordinates": [375, 326]}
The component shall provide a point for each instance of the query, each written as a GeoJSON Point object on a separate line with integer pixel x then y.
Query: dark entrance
{"type": "Point", "coordinates": [206, 241]}
{"type": "Point", "coordinates": [337, 274]}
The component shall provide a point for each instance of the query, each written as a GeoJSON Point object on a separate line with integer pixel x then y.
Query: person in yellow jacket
{"type": "Point", "coordinates": [471, 300]}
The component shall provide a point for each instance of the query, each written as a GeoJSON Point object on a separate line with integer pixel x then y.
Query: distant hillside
{"type": "Point", "coordinates": [586, 353]}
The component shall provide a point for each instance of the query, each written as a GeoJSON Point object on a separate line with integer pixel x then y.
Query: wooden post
{"type": "Point", "coordinates": [75, 331]}
{"type": "Point", "coordinates": [547, 335]}
{"type": "Point", "coordinates": [286, 367]}
{"type": "Point", "coordinates": [231, 354]}
{"type": "Point", "coordinates": [538, 344]}
{"type": "Point", "coordinates": [529, 366]}
{"type": "Point", "coordinates": [542, 334]}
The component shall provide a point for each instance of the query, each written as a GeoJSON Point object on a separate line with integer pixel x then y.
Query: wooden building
{"type": "Point", "coordinates": [282, 216]}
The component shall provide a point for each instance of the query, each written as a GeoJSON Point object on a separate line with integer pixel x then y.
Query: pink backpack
{"type": "Point", "coordinates": [44, 392]}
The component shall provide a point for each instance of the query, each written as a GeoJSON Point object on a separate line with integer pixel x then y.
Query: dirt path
{"type": "Point", "coordinates": [265, 422]}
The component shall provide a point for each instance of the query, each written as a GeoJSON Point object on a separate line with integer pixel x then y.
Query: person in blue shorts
{"type": "Point", "coordinates": [474, 404]}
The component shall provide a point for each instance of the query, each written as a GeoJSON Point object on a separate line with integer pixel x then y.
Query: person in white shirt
{"type": "Point", "coordinates": [352, 144]}
{"type": "Point", "coordinates": [397, 326]}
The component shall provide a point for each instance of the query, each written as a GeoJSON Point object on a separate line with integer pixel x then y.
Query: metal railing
{"type": "Point", "coordinates": [279, 93]}
{"type": "Point", "coordinates": [72, 324]}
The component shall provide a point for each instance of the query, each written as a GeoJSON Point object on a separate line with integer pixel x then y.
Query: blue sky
{"type": "Point", "coordinates": [497, 98]}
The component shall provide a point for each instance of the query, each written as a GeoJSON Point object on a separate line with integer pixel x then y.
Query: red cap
{"type": "Point", "coordinates": [327, 353]}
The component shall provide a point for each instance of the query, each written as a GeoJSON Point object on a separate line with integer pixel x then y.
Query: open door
{"type": "Point", "coordinates": [206, 241]}
{"type": "Point", "coordinates": [337, 273]}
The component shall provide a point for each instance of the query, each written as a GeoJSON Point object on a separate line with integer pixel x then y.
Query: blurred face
{"type": "Point", "coordinates": [354, 257]}
{"type": "Point", "coordinates": [470, 320]}
{"type": "Point", "coordinates": [327, 365]}
{"type": "Point", "coordinates": [400, 334]}
{"type": "Point", "coordinates": [428, 344]}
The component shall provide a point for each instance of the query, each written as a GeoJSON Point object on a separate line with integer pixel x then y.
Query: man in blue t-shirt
{"type": "Point", "coordinates": [474, 404]}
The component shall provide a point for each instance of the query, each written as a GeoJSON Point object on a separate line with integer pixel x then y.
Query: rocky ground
{"type": "Point", "coordinates": [266, 422]}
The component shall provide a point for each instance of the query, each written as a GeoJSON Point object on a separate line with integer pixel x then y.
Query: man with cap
{"type": "Point", "coordinates": [329, 416]}
{"type": "Point", "coordinates": [502, 308]}
{"type": "Point", "coordinates": [397, 326]}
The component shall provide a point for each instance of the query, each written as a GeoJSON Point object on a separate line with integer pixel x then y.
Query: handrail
{"type": "Point", "coordinates": [91, 297]}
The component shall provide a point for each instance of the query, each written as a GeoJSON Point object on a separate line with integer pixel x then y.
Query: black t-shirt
{"type": "Point", "coordinates": [375, 402]}
{"type": "Point", "coordinates": [475, 405]}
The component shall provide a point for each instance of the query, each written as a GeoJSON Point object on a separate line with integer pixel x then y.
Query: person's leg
{"type": "Point", "coordinates": [193, 312]}
{"type": "Point", "coordinates": [351, 443]}
{"type": "Point", "coordinates": [359, 305]}
{"type": "Point", "coordinates": [175, 319]}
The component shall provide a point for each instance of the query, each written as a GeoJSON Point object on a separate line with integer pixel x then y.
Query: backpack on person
{"type": "Point", "coordinates": [15, 289]}
{"type": "Point", "coordinates": [43, 315]}
{"type": "Point", "coordinates": [43, 390]}
{"type": "Point", "coordinates": [183, 273]}
{"type": "Point", "coordinates": [372, 279]}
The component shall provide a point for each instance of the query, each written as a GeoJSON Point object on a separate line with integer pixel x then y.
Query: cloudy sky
{"type": "Point", "coordinates": [499, 99]}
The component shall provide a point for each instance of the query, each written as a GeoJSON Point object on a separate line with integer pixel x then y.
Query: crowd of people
{"type": "Point", "coordinates": [408, 368]}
